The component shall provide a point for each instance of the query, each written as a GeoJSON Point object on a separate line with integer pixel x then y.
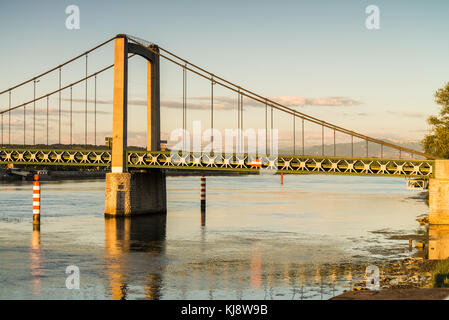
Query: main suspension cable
{"type": "Point", "coordinates": [57, 67]}
{"type": "Point", "coordinates": [62, 88]}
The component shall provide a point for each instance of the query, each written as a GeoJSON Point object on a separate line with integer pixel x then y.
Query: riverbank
{"type": "Point", "coordinates": [57, 175]}
{"type": "Point", "coordinates": [54, 176]}
{"type": "Point", "coordinates": [412, 272]}
{"type": "Point", "coordinates": [409, 278]}
{"type": "Point", "coordinates": [397, 294]}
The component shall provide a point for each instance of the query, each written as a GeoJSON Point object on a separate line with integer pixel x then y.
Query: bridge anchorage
{"type": "Point", "coordinates": [137, 184]}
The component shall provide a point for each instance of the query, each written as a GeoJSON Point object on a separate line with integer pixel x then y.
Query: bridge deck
{"type": "Point", "coordinates": [234, 162]}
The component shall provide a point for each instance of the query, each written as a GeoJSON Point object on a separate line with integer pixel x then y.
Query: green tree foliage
{"type": "Point", "coordinates": [437, 143]}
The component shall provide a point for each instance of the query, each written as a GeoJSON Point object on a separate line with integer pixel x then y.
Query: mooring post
{"type": "Point", "coordinates": [203, 193]}
{"type": "Point", "coordinates": [36, 202]}
{"type": "Point", "coordinates": [203, 200]}
{"type": "Point", "coordinates": [282, 178]}
{"type": "Point", "coordinates": [203, 218]}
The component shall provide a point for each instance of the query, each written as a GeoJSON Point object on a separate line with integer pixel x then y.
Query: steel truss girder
{"type": "Point", "coordinates": [56, 157]}
{"type": "Point", "coordinates": [222, 162]}
{"type": "Point", "coordinates": [282, 163]}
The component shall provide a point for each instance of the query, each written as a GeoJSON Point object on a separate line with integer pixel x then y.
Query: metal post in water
{"type": "Point", "coordinates": [282, 178]}
{"type": "Point", "coordinates": [36, 202]}
{"type": "Point", "coordinates": [203, 192]}
{"type": "Point", "coordinates": [203, 218]}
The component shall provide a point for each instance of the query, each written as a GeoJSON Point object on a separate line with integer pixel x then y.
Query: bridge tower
{"type": "Point", "coordinates": [131, 193]}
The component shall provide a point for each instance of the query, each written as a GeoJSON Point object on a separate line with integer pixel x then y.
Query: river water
{"type": "Point", "coordinates": [310, 238]}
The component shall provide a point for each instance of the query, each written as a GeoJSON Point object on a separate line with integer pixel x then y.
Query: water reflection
{"type": "Point", "coordinates": [438, 242]}
{"type": "Point", "coordinates": [125, 236]}
{"type": "Point", "coordinates": [256, 268]}
{"type": "Point", "coordinates": [35, 259]}
{"type": "Point", "coordinates": [203, 218]}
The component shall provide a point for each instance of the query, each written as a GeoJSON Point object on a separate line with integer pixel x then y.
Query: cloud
{"type": "Point", "coordinates": [409, 114]}
{"type": "Point", "coordinates": [230, 103]}
{"type": "Point", "coordinates": [289, 101]}
{"type": "Point", "coordinates": [198, 105]}
{"type": "Point", "coordinates": [98, 101]}
{"type": "Point", "coordinates": [106, 102]}
{"type": "Point", "coordinates": [317, 102]}
{"type": "Point", "coordinates": [359, 114]}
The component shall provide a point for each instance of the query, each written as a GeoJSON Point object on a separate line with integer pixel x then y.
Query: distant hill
{"type": "Point", "coordinates": [344, 149]}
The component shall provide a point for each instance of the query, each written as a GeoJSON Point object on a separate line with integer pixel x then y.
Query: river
{"type": "Point", "coordinates": [309, 238]}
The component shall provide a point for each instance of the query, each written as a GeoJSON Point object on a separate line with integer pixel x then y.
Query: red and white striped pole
{"type": "Point", "coordinates": [203, 192]}
{"type": "Point", "coordinates": [36, 201]}
{"type": "Point", "coordinates": [203, 200]}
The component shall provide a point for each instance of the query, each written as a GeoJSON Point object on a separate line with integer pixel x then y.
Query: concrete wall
{"type": "Point", "coordinates": [439, 194]}
{"type": "Point", "coordinates": [438, 242]}
{"type": "Point", "coordinates": [135, 193]}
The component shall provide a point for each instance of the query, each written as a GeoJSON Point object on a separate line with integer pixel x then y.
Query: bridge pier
{"type": "Point", "coordinates": [135, 193]}
{"type": "Point", "coordinates": [439, 193]}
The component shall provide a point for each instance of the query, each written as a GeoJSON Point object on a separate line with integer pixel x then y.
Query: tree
{"type": "Point", "coordinates": [437, 142]}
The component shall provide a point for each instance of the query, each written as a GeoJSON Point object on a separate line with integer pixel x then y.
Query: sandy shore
{"type": "Point", "coordinates": [396, 294]}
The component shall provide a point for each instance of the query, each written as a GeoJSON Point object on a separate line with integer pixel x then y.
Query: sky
{"type": "Point", "coordinates": [315, 56]}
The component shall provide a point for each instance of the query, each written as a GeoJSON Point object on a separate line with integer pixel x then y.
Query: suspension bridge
{"type": "Point", "coordinates": [128, 186]}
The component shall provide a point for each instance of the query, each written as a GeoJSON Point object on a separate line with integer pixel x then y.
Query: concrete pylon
{"type": "Point", "coordinates": [130, 193]}
{"type": "Point", "coordinates": [438, 242]}
{"type": "Point", "coordinates": [439, 193]}
{"type": "Point", "coordinates": [120, 106]}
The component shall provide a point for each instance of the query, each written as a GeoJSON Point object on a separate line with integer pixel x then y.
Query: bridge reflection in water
{"type": "Point", "coordinates": [136, 246]}
{"type": "Point", "coordinates": [135, 253]}
{"type": "Point", "coordinates": [136, 260]}
{"type": "Point", "coordinates": [138, 266]}
{"type": "Point", "coordinates": [35, 261]}
{"type": "Point", "coordinates": [123, 238]}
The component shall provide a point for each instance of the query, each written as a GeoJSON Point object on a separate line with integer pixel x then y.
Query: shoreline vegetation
{"type": "Point", "coordinates": [440, 275]}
